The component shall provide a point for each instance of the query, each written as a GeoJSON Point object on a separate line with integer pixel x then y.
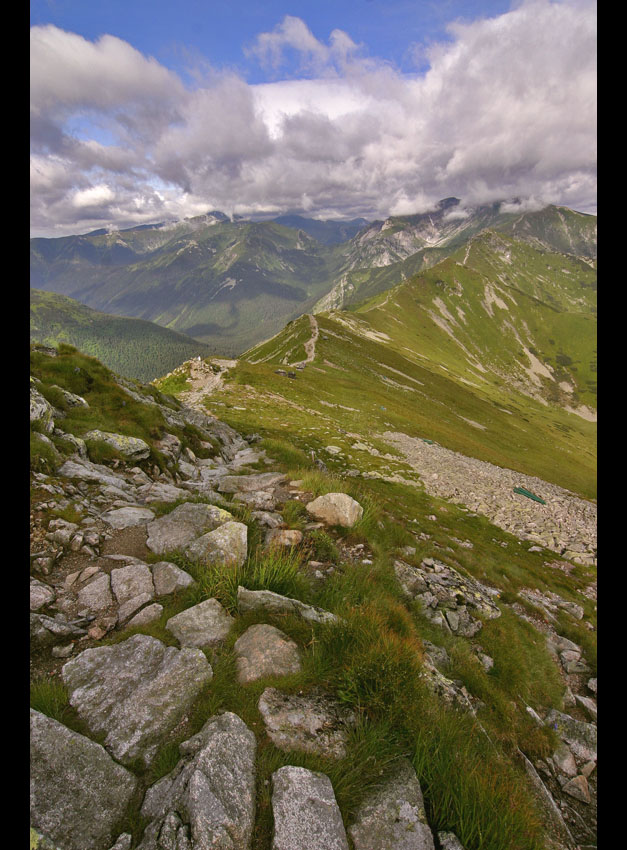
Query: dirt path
{"type": "Point", "coordinates": [310, 345]}
{"type": "Point", "coordinates": [205, 380]}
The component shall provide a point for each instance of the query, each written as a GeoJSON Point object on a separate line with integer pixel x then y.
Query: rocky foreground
{"type": "Point", "coordinates": [95, 578]}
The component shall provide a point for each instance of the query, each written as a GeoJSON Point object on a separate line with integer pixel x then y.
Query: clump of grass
{"type": "Point", "coordinates": [286, 453]}
{"type": "Point", "coordinates": [70, 514]}
{"type": "Point", "coordinates": [164, 762]}
{"type": "Point", "coordinates": [468, 790]}
{"type": "Point", "coordinates": [322, 546]}
{"type": "Point", "coordinates": [175, 384]}
{"type": "Point", "coordinates": [277, 568]}
{"type": "Point", "coordinates": [49, 697]}
{"type": "Point", "coordinates": [100, 452]}
{"type": "Point", "coordinates": [319, 483]}
{"type": "Point", "coordinates": [295, 514]}
{"type": "Point", "coordinates": [43, 455]}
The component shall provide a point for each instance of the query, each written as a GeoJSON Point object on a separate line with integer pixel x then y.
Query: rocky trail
{"type": "Point", "coordinates": [96, 577]}
{"type": "Point", "coordinates": [205, 378]}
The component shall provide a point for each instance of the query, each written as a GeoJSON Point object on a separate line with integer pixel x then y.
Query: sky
{"type": "Point", "coordinates": [152, 111]}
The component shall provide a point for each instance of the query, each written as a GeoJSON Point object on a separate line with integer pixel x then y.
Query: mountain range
{"type": "Point", "coordinates": [234, 282]}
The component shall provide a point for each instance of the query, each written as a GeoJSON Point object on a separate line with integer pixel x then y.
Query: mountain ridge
{"type": "Point", "coordinates": [232, 281]}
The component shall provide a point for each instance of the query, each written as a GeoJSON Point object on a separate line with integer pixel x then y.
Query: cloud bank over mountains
{"type": "Point", "coordinates": [506, 109]}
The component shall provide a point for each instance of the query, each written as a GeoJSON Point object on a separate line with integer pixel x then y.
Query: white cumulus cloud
{"type": "Point", "coordinates": [506, 110]}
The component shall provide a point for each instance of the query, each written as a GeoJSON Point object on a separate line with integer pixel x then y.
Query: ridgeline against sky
{"type": "Point", "coordinates": [306, 116]}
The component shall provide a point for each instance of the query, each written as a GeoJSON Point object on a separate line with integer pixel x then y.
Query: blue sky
{"type": "Point", "coordinates": [150, 111]}
{"type": "Point", "coordinates": [219, 30]}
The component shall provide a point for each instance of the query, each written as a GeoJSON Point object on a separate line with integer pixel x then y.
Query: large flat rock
{"type": "Point", "coordinates": [119, 518]}
{"type": "Point", "coordinates": [135, 692]}
{"type": "Point", "coordinates": [208, 800]}
{"type": "Point", "coordinates": [183, 525]}
{"type": "Point", "coordinates": [250, 483]}
{"type": "Point", "coordinates": [306, 813]}
{"type": "Point", "coordinates": [78, 793]}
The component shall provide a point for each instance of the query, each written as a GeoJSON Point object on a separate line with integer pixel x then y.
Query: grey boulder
{"type": "Point", "coordinates": [310, 723]}
{"type": "Point", "coordinates": [168, 578]}
{"type": "Point", "coordinates": [306, 814]}
{"type": "Point", "coordinates": [336, 509]}
{"type": "Point", "coordinates": [183, 525]}
{"type": "Point", "coordinates": [205, 624]}
{"type": "Point", "coordinates": [274, 603]}
{"type": "Point", "coordinates": [393, 816]}
{"type": "Point", "coordinates": [227, 544]}
{"type": "Point", "coordinates": [135, 692]}
{"type": "Point", "coordinates": [208, 801]}
{"type": "Point", "coordinates": [132, 448]}
{"type": "Point", "coordinates": [264, 650]}
{"type": "Point", "coordinates": [78, 793]}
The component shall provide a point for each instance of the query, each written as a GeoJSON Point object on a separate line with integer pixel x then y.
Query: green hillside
{"type": "Point", "coordinates": [491, 353]}
{"type": "Point", "coordinates": [235, 283]}
{"type": "Point", "coordinates": [132, 347]}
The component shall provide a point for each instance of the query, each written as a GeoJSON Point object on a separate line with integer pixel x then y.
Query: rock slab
{"type": "Point", "coordinates": [306, 814]}
{"type": "Point", "coordinates": [311, 723]}
{"type": "Point", "coordinates": [208, 801]}
{"type": "Point", "coordinates": [135, 692]}
{"type": "Point", "coordinates": [78, 793]}
{"type": "Point", "coordinates": [393, 816]}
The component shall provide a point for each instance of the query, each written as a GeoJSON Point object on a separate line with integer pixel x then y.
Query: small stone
{"type": "Point", "coordinates": [578, 788]}
{"type": "Point", "coordinates": [40, 595]}
{"type": "Point", "coordinates": [449, 841]}
{"type": "Point", "coordinates": [62, 651]}
{"type": "Point", "coordinates": [588, 768]}
{"type": "Point", "coordinates": [564, 761]}
{"type": "Point", "coordinates": [284, 537]}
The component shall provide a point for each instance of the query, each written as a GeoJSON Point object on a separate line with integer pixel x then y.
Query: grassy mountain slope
{"type": "Point", "coordinates": [491, 352]}
{"type": "Point", "coordinates": [237, 282]}
{"type": "Point", "coordinates": [386, 253]}
{"type": "Point", "coordinates": [221, 281]}
{"type": "Point", "coordinates": [132, 347]}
